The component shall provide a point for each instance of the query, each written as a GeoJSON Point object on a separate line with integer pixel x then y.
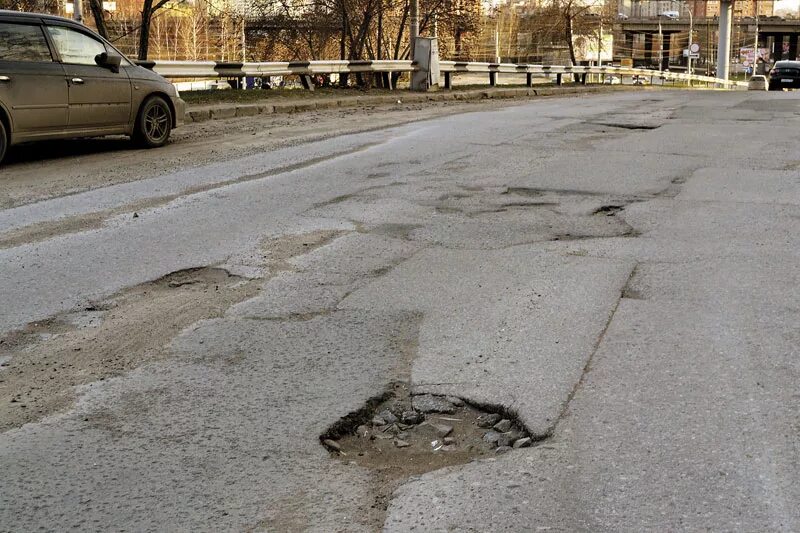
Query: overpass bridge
{"type": "Point", "coordinates": [779, 36]}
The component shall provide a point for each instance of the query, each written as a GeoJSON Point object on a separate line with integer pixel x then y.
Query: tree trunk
{"type": "Point", "coordinates": [379, 54]}
{"type": "Point", "coordinates": [99, 17]}
{"type": "Point", "coordinates": [343, 42]}
{"type": "Point", "coordinates": [400, 32]}
{"type": "Point", "coordinates": [570, 45]}
{"type": "Point", "coordinates": [144, 29]}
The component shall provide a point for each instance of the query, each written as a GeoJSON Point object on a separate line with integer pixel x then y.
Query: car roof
{"type": "Point", "coordinates": [787, 63]}
{"type": "Point", "coordinates": [24, 15]}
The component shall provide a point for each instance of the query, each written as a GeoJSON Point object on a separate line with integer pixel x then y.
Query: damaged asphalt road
{"type": "Point", "coordinates": [609, 280]}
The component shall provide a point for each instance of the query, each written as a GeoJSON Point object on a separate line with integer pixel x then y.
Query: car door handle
{"type": "Point", "coordinates": [77, 81]}
{"type": "Point", "coordinates": [5, 78]}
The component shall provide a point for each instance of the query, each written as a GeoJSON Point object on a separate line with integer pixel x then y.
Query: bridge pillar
{"type": "Point", "coordinates": [724, 47]}
{"type": "Point", "coordinates": [777, 47]}
{"type": "Point", "coordinates": [648, 48]}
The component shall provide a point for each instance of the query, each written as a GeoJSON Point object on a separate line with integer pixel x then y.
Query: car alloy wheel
{"type": "Point", "coordinates": [3, 141]}
{"type": "Point", "coordinates": [155, 123]}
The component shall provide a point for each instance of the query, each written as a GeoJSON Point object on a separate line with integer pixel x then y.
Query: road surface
{"type": "Point", "coordinates": [617, 273]}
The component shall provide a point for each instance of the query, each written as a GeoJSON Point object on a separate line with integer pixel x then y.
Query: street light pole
{"type": "Point", "coordinates": [600, 48]}
{"type": "Point", "coordinates": [77, 11]}
{"type": "Point", "coordinates": [691, 37]}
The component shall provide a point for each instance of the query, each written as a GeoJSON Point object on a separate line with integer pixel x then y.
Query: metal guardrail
{"type": "Point", "coordinates": [305, 69]}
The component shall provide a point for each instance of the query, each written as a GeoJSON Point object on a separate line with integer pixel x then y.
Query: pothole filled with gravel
{"type": "Point", "coordinates": [400, 435]}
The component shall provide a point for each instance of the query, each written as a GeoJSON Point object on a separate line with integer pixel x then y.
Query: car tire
{"type": "Point", "coordinates": [3, 141]}
{"type": "Point", "coordinates": [774, 87]}
{"type": "Point", "coordinates": [153, 123]}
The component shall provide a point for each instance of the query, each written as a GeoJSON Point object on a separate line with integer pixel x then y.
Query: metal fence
{"type": "Point", "coordinates": [307, 69]}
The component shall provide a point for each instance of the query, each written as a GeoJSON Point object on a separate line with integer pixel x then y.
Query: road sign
{"type": "Point", "coordinates": [695, 48]}
{"type": "Point", "coordinates": [693, 55]}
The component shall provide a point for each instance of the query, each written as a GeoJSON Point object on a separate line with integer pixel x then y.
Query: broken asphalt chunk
{"type": "Point", "coordinates": [488, 420]}
{"type": "Point", "coordinates": [428, 403]}
{"type": "Point", "coordinates": [523, 442]}
{"type": "Point", "coordinates": [503, 426]}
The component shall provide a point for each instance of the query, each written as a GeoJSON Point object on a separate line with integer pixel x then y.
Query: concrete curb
{"type": "Point", "coordinates": [202, 113]}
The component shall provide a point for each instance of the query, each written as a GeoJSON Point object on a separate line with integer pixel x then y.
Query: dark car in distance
{"type": "Point", "coordinates": [784, 75]}
{"type": "Point", "coordinates": [58, 79]}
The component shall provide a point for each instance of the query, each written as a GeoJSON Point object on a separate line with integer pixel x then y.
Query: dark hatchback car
{"type": "Point", "coordinates": [58, 79]}
{"type": "Point", "coordinates": [784, 75]}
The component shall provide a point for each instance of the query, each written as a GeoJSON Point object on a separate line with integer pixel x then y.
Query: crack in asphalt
{"type": "Point", "coordinates": [587, 367]}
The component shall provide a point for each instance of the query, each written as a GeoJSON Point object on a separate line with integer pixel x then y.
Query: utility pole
{"type": "Point", "coordinates": [600, 43]}
{"type": "Point", "coordinates": [414, 33]}
{"type": "Point", "coordinates": [244, 39]}
{"type": "Point", "coordinates": [660, 45]}
{"type": "Point", "coordinates": [755, 46]}
{"type": "Point", "coordinates": [497, 38]}
{"type": "Point", "coordinates": [77, 11]}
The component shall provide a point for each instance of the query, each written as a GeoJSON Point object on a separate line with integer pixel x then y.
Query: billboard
{"type": "Point", "coordinates": [746, 55]}
{"type": "Point", "coordinates": [586, 47]}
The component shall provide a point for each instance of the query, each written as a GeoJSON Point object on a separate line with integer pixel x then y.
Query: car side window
{"type": "Point", "coordinates": [23, 42]}
{"type": "Point", "coordinates": [75, 47]}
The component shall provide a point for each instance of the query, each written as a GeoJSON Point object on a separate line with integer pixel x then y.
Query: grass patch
{"type": "Point", "coordinates": [254, 95]}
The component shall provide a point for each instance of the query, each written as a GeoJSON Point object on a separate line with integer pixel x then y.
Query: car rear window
{"type": "Point", "coordinates": [23, 42]}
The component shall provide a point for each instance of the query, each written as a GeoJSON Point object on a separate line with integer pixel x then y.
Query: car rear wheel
{"type": "Point", "coordinates": [154, 123]}
{"type": "Point", "coordinates": [775, 87]}
{"type": "Point", "coordinates": [3, 141]}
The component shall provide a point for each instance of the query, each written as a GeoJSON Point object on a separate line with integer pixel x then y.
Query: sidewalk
{"type": "Point", "coordinates": [226, 110]}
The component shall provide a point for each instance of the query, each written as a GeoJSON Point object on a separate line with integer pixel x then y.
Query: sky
{"type": "Point", "coordinates": [786, 4]}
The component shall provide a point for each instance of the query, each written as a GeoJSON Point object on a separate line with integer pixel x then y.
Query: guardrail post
{"type": "Point", "coordinates": [447, 82]}
{"type": "Point", "coordinates": [307, 82]}
{"type": "Point", "coordinates": [529, 80]}
{"type": "Point", "coordinates": [559, 79]}
{"type": "Point", "coordinates": [493, 78]}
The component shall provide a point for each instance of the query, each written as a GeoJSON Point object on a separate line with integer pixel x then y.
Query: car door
{"type": "Point", "coordinates": [33, 90]}
{"type": "Point", "coordinates": [98, 97]}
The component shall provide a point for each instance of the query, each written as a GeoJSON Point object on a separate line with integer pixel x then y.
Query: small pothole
{"type": "Point", "coordinates": [608, 210]}
{"type": "Point", "coordinates": [400, 435]}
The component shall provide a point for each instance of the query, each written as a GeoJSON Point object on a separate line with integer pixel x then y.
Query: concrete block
{"type": "Point", "coordinates": [223, 112]}
{"type": "Point", "coordinates": [247, 110]}
{"type": "Point", "coordinates": [199, 115]}
{"type": "Point", "coordinates": [284, 108]}
{"type": "Point", "coordinates": [327, 104]}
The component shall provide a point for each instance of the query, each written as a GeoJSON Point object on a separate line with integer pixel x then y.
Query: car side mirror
{"type": "Point", "coordinates": [109, 61]}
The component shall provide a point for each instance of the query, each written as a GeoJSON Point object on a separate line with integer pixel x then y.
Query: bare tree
{"type": "Point", "coordinates": [149, 8]}
{"type": "Point", "coordinates": [99, 17]}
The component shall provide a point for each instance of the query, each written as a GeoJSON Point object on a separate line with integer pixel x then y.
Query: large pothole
{"type": "Point", "coordinates": [400, 435]}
